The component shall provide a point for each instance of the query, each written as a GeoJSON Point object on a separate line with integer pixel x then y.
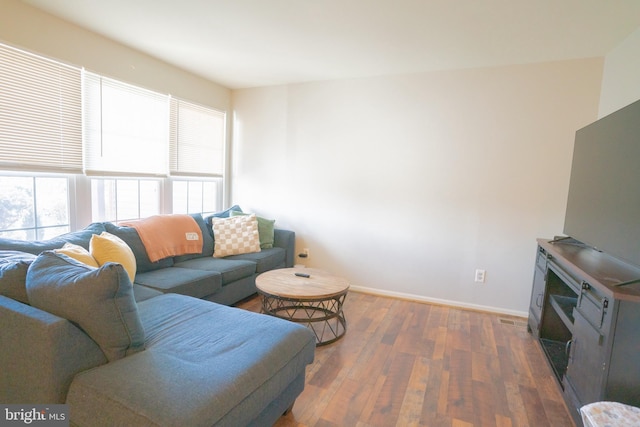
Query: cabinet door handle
{"type": "Point", "coordinates": [567, 348]}
{"type": "Point", "coordinates": [539, 301]}
{"type": "Point", "coordinates": [603, 312]}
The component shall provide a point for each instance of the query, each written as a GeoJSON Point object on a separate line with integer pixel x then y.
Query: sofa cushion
{"type": "Point", "coordinates": [80, 237]}
{"type": "Point", "coordinates": [231, 270]}
{"type": "Point", "coordinates": [107, 247]}
{"type": "Point", "coordinates": [266, 259]}
{"type": "Point", "coordinates": [142, 293]}
{"type": "Point", "coordinates": [99, 300]}
{"type": "Point", "coordinates": [13, 274]}
{"type": "Point", "coordinates": [78, 253]}
{"type": "Point", "coordinates": [235, 235]}
{"type": "Point", "coordinates": [197, 283]}
{"type": "Point", "coordinates": [205, 364]}
{"type": "Point", "coordinates": [132, 239]}
{"type": "Point", "coordinates": [207, 241]}
{"type": "Point", "coordinates": [265, 230]}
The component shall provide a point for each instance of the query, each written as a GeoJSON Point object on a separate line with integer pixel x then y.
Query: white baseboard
{"type": "Point", "coordinates": [419, 298]}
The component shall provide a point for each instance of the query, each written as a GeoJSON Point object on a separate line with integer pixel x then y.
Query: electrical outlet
{"type": "Point", "coordinates": [480, 276]}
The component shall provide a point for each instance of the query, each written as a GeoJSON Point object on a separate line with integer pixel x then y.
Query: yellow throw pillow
{"type": "Point", "coordinates": [78, 253]}
{"type": "Point", "coordinates": [107, 247]}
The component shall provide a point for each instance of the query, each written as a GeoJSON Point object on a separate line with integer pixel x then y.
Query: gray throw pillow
{"type": "Point", "coordinates": [13, 274]}
{"type": "Point", "coordinates": [99, 300]}
{"type": "Point", "coordinates": [223, 214]}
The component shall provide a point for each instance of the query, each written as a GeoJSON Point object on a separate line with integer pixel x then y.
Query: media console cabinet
{"type": "Point", "coordinates": [585, 313]}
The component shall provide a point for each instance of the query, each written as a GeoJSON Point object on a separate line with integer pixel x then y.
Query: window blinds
{"type": "Point", "coordinates": [55, 117]}
{"type": "Point", "coordinates": [126, 128]}
{"type": "Point", "coordinates": [40, 113]}
{"type": "Point", "coordinates": [197, 140]}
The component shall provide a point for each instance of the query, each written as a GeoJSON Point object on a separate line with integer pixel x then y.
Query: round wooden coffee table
{"type": "Point", "coordinates": [315, 301]}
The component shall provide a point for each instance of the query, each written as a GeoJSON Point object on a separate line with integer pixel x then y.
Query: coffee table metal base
{"type": "Point", "coordinates": [322, 316]}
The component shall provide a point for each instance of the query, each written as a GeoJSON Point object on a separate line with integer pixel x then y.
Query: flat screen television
{"type": "Point", "coordinates": [603, 207]}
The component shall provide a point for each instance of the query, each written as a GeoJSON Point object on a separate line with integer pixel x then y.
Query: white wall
{"type": "Point", "coordinates": [621, 78]}
{"type": "Point", "coordinates": [406, 184]}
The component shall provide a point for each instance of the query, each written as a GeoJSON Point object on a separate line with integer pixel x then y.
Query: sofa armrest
{"type": "Point", "coordinates": [40, 354]}
{"type": "Point", "coordinates": [285, 239]}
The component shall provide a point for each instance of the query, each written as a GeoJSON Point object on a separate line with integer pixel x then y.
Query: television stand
{"type": "Point", "coordinates": [585, 314]}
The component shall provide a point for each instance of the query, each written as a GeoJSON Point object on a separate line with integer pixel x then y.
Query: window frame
{"type": "Point", "coordinates": [219, 196]}
{"type": "Point", "coordinates": [70, 202]}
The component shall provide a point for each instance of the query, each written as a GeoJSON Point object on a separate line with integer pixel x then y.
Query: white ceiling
{"type": "Point", "coordinates": [247, 43]}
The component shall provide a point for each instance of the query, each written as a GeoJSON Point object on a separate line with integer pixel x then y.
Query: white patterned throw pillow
{"type": "Point", "coordinates": [235, 235]}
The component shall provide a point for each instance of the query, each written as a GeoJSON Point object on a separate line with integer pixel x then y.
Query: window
{"type": "Point", "coordinates": [33, 207]}
{"type": "Point", "coordinates": [142, 152]}
{"type": "Point", "coordinates": [194, 196]}
{"type": "Point", "coordinates": [40, 131]}
{"type": "Point", "coordinates": [124, 199]}
{"type": "Point", "coordinates": [197, 142]}
{"type": "Point", "coordinates": [132, 131]}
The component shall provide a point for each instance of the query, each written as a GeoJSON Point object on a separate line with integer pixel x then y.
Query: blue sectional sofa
{"type": "Point", "coordinates": [165, 350]}
{"type": "Point", "coordinates": [222, 280]}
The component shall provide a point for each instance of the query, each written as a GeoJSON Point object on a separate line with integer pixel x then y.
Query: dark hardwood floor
{"type": "Point", "coordinates": [404, 363]}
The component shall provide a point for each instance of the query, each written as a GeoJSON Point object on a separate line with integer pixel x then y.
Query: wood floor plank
{"type": "Point", "coordinates": [459, 331]}
{"type": "Point", "coordinates": [430, 405]}
{"type": "Point", "coordinates": [556, 413]}
{"type": "Point", "coordinates": [371, 360]}
{"type": "Point", "coordinates": [484, 406]}
{"type": "Point", "coordinates": [390, 397]}
{"type": "Point", "coordinates": [484, 367]}
{"type": "Point", "coordinates": [516, 405]}
{"type": "Point", "coordinates": [440, 344]}
{"type": "Point", "coordinates": [460, 397]}
{"type": "Point", "coordinates": [461, 423]}
{"type": "Point", "coordinates": [486, 370]}
{"type": "Point", "coordinates": [533, 406]}
{"type": "Point", "coordinates": [409, 338]}
{"type": "Point", "coordinates": [370, 405]}
{"type": "Point", "coordinates": [415, 393]}
{"type": "Point", "coordinates": [443, 395]}
{"type": "Point", "coordinates": [438, 317]}
{"type": "Point", "coordinates": [404, 363]}
{"type": "Point", "coordinates": [346, 406]}
{"type": "Point", "coordinates": [394, 325]}
{"type": "Point", "coordinates": [327, 372]}
{"type": "Point", "coordinates": [502, 421]}
{"type": "Point", "coordinates": [482, 334]}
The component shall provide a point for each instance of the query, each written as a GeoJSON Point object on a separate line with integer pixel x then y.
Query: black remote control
{"type": "Point", "coordinates": [302, 275]}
